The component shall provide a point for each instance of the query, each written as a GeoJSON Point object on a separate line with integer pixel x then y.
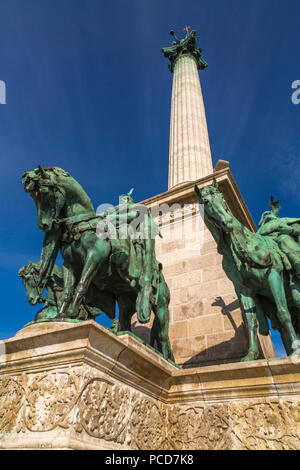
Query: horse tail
{"type": "Point", "coordinates": [143, 304]}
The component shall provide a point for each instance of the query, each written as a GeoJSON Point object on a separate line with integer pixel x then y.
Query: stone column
{"type": "Point", "coordinates": [189, 154]}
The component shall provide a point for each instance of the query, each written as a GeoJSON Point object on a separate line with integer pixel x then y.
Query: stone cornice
{"type": "Point", "coordinates": [228, 187]}
{"type": "Point", "coordinates": [124, 358]}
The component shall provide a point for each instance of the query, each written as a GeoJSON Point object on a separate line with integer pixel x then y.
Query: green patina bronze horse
{"type": "Point", "coordinates": [99, 269]}
{"type": "Point", "coordinates": [261, 273]}
{"type": "Point", "coordinates": [54, 290]}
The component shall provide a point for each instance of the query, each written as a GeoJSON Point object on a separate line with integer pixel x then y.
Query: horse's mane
{"type": "Point", "coordinates": [29, 268]}
{"type": "Point", "coordinates": [54, 176]}
{"type": "Point", "coordinates": [58, 171]}
{"type": "Point", "coordinates": [35, 267]}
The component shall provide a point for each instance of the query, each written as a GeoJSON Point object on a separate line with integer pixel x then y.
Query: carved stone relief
{"type": "Point", "coordinates": [102, 409]}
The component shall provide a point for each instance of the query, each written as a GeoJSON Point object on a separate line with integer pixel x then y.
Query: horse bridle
{"type": "Point", "coordinates": [53, 188]}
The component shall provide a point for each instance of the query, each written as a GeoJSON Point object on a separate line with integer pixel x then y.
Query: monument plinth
{"type": "Point", "coordinates": [80, 386]}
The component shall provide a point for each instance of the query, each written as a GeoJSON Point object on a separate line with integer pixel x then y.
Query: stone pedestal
{"type": "Point", "coordinates": [79, 386]}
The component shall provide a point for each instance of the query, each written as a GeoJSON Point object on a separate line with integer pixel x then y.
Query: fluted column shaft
{"type": "Point", "coordinates": [189, 153]}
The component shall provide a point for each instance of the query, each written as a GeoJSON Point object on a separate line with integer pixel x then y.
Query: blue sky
{"type": "Point", "coordinates": [89, 90]}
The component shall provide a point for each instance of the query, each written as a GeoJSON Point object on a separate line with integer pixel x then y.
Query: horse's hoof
{"type": "Point", "coordinates": [251, 356]}
{"type": "Point", "coordinates": [47, 313]}
{"type": "Point", "coordinates": [296, 348]}
{"type": "Point", "coordinates": [72, 315]}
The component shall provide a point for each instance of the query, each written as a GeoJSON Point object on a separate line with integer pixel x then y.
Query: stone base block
{"type": "Point", "coordinates": [79, 386]}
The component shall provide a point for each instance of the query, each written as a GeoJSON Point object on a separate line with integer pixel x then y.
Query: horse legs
{"type": "Point", "coordinates": [161, 323]}
{"type": "Point", "coordinates": [126, 311]}
{"type": "Point", "coordinates": [285, 340]}
{"type": "Point", "coordinates": [154, 334]}
{"type": "Point", "coordinates": [50, 309]}
{"type": "Point", "coordinates": [249, 308]}
{"type": "Point", "coordinates": [295, 291]}
{"type": "Point", "coordinates": [163, 342]}
{"type": "Point", "coordinates": [284, 316]}
{"type": "Point", "coordinates": [93, 260]}
{"type": "Point", "coordinates": [69, 283]}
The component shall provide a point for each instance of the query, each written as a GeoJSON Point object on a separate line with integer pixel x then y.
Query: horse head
{"type": "Point", "coordinates": [44, 186]}
{"type": "Point", "coordinates": [29, 275]}
{"type": "Point", "coordinates": [215, 209]}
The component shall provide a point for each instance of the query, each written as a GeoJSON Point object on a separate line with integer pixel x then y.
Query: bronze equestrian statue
{"type": "Point", "coordinates": [108, 258]}
{"type": "Point", "coordinates": [263, 266]}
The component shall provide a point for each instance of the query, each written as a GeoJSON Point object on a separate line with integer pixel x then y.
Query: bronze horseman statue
{"type": "Point", "coordinates": [105, 260]}
{"type": "Point", "coordinates": [264, 268]}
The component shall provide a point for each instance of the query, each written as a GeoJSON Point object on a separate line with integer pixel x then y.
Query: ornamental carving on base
{"type": "Point", "coordinates": [12, 394]}
{"type": "Point", "coordinates": [103, 411]}
{"type": "Point", "coordinates": [272, 425]}
{"type": "Point", "coordinates": [200, 427]}
{"type": "Point", "coordinates": [148, 425]}
{"type": "Point", "coordinates": [76, 399]}
{"type": "Point", "coordinates": [49, 401]}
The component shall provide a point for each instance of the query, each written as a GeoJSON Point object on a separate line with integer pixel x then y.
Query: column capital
{"type": "Point", "coordinates": [187, 45]}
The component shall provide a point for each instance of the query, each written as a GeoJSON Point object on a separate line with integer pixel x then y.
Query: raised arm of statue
{"type": "Point", "coordinates": [286, 229]}
{"type": "Point", "coordinates": [268, 228]}
{"type": "Point", "coordinates": [295, 230]}
{"type": "Point", "coordinates": [284, 225]}
{"type": "Point", "coordinates": [123, 218]}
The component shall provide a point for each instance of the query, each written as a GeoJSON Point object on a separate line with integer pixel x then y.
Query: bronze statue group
{"type": "Point", "coordinates": [100, 269]}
